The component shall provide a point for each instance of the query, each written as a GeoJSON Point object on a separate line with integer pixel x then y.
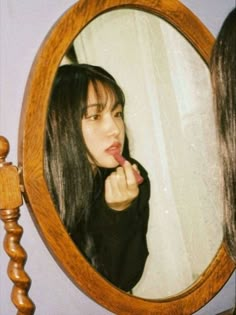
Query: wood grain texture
{"type": "Point", "coordinates": [31, 148]}
{"type": "Point", "coordinates": [10, 201]}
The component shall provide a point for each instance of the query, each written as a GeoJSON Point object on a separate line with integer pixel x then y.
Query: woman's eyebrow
{"type": "Point", "coordinates": [93, 105]}
{"type": "Point", "coordinates": [90, 108]}
{"type": "Point", "coordinates": [99, 107]}
{"type": "Point", "coordinates": [116, 104]}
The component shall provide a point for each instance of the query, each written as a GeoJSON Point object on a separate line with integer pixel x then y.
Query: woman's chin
{"type": "Point", "coordinates": [109, 164]}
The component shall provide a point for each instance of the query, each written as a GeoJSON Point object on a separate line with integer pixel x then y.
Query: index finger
{"type": "Point", "coordinates": [129, 173]}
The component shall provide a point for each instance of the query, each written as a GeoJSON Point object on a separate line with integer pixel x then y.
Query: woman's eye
{"type": "Point", "coordinates": [93, 117]}
{"type": "Point", "coordinates": [119, 114]}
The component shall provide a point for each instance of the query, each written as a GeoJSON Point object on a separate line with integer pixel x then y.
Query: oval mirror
{"type": "Point", "coordinates": [184, 274]}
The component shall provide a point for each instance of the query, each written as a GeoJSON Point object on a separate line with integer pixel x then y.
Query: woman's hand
{"type": "Point", "coordinates": [121, 187]}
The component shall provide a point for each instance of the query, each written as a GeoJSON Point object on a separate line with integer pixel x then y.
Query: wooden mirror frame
{"type": "Point", "coordinates": [31, 150]}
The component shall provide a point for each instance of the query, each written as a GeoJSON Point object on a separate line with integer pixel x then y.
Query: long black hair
{"type": "Point", "coordinates": [68, 172]}
{"type": "Point", "coordinates": [223, 71]}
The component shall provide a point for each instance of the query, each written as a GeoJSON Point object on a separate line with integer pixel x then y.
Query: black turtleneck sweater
{"type": "Point", "coordinates": [119, 237]}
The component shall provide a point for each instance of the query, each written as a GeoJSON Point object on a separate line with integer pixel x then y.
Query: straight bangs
{"type": "Point", "coordinates": [106, 89]}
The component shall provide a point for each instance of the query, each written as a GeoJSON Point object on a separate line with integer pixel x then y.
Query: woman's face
{"type": "Point", "coordinates": [103, 127]}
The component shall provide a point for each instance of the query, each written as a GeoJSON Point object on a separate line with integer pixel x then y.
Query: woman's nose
{"type": "Point", "coordinates": [112, 126]}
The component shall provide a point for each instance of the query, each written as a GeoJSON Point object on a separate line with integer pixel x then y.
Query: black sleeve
{"type": "Point", "coordinates": [120, 238]}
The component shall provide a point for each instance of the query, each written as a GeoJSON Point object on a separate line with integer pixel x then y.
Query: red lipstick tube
{"type": "Point", "coordinates": [121, 160]}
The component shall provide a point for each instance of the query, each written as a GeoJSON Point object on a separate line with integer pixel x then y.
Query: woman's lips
{"type": "Point", "coordinates": [114, 148]}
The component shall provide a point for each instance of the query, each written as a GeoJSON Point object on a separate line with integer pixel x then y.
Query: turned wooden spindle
{"type": "Point", "coordinates": [10, 201]}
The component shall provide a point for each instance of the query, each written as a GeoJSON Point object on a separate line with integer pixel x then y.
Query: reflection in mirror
{"type": "Point", "coordinates": [170, 126]}
{"type": "Point", "coordinates": [103, 207]}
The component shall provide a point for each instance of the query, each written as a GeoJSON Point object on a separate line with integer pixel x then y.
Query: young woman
{"type": "Point", "coordinates": [101, 204]}
{"type": "Point", "coordinates": [223, 70]}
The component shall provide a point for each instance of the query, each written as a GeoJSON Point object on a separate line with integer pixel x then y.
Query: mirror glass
{"type": "Point", "coordinates": [171, 131]}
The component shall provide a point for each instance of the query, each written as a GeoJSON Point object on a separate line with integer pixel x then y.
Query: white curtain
{"type": "Point", "coordinates": [170, 126]}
